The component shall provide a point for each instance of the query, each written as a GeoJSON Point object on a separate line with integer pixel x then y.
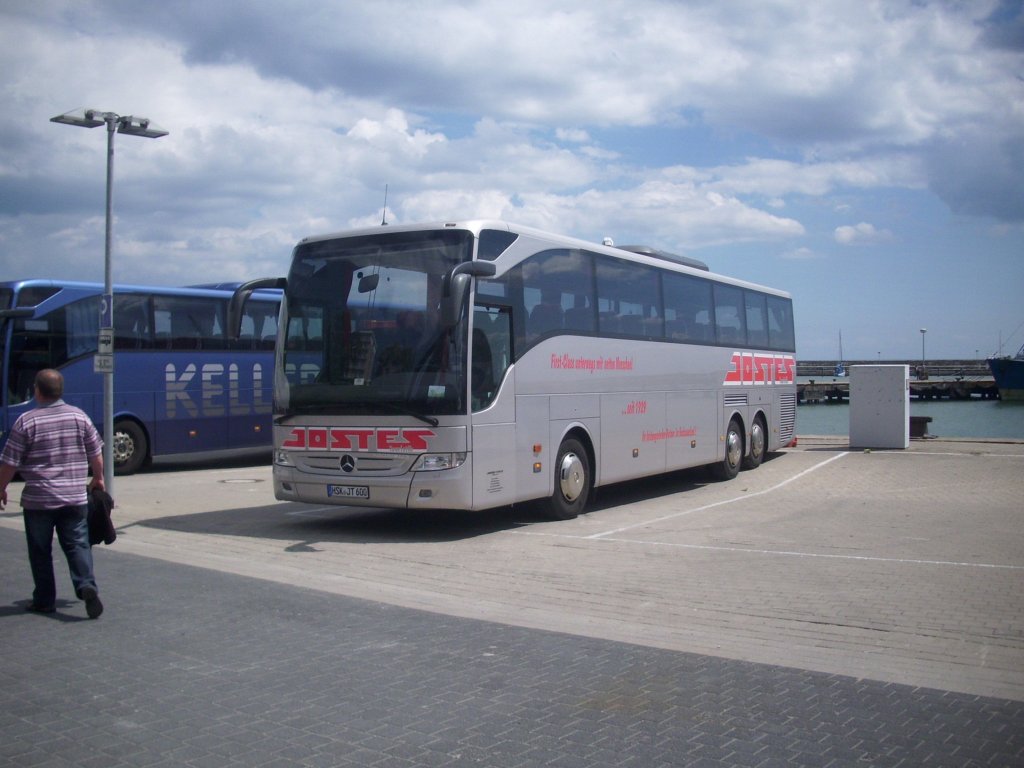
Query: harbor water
{"type": "Point", "coordinates": [950, 418]}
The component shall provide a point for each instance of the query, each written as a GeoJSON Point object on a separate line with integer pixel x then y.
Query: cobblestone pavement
{"type": "Point", "coordinates": [832, 608]}
{"type": "Point", "coordinates": [197, 667]}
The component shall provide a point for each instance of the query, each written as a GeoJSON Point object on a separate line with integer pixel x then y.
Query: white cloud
{"type": "Point", "coordinates": [778, 178]}
{"type": "Point", "coordinates": [861, 234]}
{"type": "Point", "coordinates": [290, 118]}
{"type": "Point", "coordinates": [574, 135]}
{"type": "Point", "coordinates": [800, 254]}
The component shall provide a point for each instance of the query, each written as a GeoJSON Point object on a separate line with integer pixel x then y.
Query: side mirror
{"type": "Point", "coordinates": [16, 312]}
{"type": "Point", "coordinates": [7, 314]}
{"type": "Point", "coordinates": [368, 283]}
{"type": "Point", "coordinates": [242, 294]}
{"type": "Point", "coordinates": [456, 285]}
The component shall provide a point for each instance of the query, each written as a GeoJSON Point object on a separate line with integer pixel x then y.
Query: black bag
{"type": "Point", "coordinates": [101, 528]}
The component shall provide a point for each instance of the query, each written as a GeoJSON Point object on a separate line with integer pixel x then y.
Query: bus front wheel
{"type": "Point", "coordinates": [729, 467]}
{"type": "Point", "coordinates": [572, 481]}
{"type": "Point", "coordinates": [130, 447]}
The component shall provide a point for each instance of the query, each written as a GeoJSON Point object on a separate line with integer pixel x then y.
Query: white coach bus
{"type": "Point", "coordinates": [479, 364]}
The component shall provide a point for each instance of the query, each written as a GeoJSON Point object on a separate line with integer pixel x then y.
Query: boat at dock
{"type": "Point", "coordinates": [1008, 373]}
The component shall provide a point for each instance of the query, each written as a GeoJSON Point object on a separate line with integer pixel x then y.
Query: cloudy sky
{"type": "Point", "coordinates": [866, 156]}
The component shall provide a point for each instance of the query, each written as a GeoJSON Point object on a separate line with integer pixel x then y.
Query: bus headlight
{"type": "Point", "coordinates": [431, 462]}
{"type": "Point", "coordinates": [283, 459]}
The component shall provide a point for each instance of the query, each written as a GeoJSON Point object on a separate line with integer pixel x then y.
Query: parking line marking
{"type": "Point", "coordinates": [733, 500]}
{"type": "Point", "coordinates": [770, 552]}
{"type": "Point", "coordinates": [823, 555]}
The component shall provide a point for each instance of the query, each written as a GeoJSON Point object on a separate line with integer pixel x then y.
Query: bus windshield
{"type": "Point", "coordinates": [6, 296]}
{"type": "Point", "coordinates": [361, 327]}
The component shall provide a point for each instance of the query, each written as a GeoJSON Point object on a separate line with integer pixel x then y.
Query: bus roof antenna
{"type": "Point", "coordinates": [384, 213]}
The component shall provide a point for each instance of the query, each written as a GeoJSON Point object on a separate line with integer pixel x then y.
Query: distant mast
{"type": "Point", "coordinates": [840, 365]}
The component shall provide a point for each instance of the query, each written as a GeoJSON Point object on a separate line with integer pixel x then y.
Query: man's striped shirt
{"type": "Point", "coordinates": [51, 445]}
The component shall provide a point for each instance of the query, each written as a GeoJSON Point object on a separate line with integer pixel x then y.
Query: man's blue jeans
{"type": "Point", "coordinates": [71, 524]}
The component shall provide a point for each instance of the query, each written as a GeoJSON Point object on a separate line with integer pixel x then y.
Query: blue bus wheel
{"type": "Point", "coordinates": [130, 447]}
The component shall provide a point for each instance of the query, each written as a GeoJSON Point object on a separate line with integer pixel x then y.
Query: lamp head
{"type": "Point", "coordinates": [139, 126]}
{"type": "Point", "coordinates": [84, 118]}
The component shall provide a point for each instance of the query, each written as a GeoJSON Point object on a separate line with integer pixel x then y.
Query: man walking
{"type": "Point", "coordinates": [53, 446]}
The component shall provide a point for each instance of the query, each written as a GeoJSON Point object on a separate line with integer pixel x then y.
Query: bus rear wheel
{"type": "Point", "coordinates": [572, 481]}
{"type": "Point", "coordinates": [130, 447]}
{"type": "Point", "coordinates": [729, 466]}
{"type": "Point", "coordinates": [757, 445]}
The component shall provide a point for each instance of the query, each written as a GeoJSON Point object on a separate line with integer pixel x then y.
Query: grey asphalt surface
{"type": "Point", "coordinates": [213, 653]}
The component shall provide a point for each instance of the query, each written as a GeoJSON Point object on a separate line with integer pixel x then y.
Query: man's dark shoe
{"type": "Point", "coordinates": [93, 606]}
{"type": "Point", "coordinates": [40, 608]}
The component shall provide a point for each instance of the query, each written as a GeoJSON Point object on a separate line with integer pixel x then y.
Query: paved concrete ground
{"type": "Point", "coordinates": [831, 608]}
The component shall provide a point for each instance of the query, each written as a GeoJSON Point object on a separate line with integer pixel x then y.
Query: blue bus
{"type": "Point", "coordinates": [182, 388]}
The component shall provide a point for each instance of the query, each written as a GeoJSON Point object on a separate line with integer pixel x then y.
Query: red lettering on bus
{"type": "Point", "coordinates": [763, 365]}
{"type": "Point", "coordinates": [416, 439]}
{"type": "Point", "coordinates": [357, 439]}
{"type": "Point", "coordinates": [784, 369]}
{"type": "Point", "coordinates": [408, 439]}
{"type": "Point", "coordinates": [341, 439]}
{"type": "Point", "coordinates": [386, 440]}
{"type": "Point", "coordinates": [733, 376]}
{"type": "Point", "coordinates": [297, 439]}
{"type": "Point", "coordinates": [748, 368]}
{"type": "Point", "coordinates": [317, 438]}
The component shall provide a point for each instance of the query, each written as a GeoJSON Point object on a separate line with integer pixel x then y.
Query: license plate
{"type": "Point", "coordinates": [348, 491]}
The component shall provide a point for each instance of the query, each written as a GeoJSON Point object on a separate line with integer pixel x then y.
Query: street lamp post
{"type": "Point", "coordinates": [924, 371]}
{"type": "Point", "coordinates": [104, 361]}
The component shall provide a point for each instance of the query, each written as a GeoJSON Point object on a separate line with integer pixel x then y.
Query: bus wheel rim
{"type": "Point", "coordinates": [757, 439]}
{"type": "Point", "coordinates": [571, 477]}
{"type": "Point", "coordinates": [123, 447]}
{"type": "Point", "coordinates": [733, 449]}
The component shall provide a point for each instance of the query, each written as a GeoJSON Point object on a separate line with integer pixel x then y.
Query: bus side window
{"type": "Point", "coordinates": [29, 354]}
{"type": "Point", "coordinates": [259, 327]}
{"type": "Point", "coordinates": [629, 299]}
{"type": "Point", "coordinates": [268, 329]}
{"type": "Point", "coordinates": [492, 333]}
{"type": "Point", "coordinates": [757, 323]}
{"type": "Point", "coordinates": [131, 321]}
{"type": "Point", "coordinates": [780, 324]}
{"type": "Point", "coordinates": [730, 328]}
{"type": "Point", "coordinates": [246, 335]}
{"type": "Point", "coordinates": [547, 316]}
{"type": "Point", "coordinates": [677, 330]}
{"type": "Point", "coordinates": [194, 323]}
{"type": "Point", "coordinates": [687, 308]}
{"type": "Point", "coordinates": [552, 295]}
{"type": "Point", "coordinates": [483, 369]}
{"type": "Point", "coordinates": [551, 292]}
{"type": "Point", "coordinates": [580, 316]}
{"type": "Point", "coordinates": [631, 324]}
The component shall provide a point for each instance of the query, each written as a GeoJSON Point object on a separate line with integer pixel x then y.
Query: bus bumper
{"type": "Point", "coordinates": [442, 489]}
